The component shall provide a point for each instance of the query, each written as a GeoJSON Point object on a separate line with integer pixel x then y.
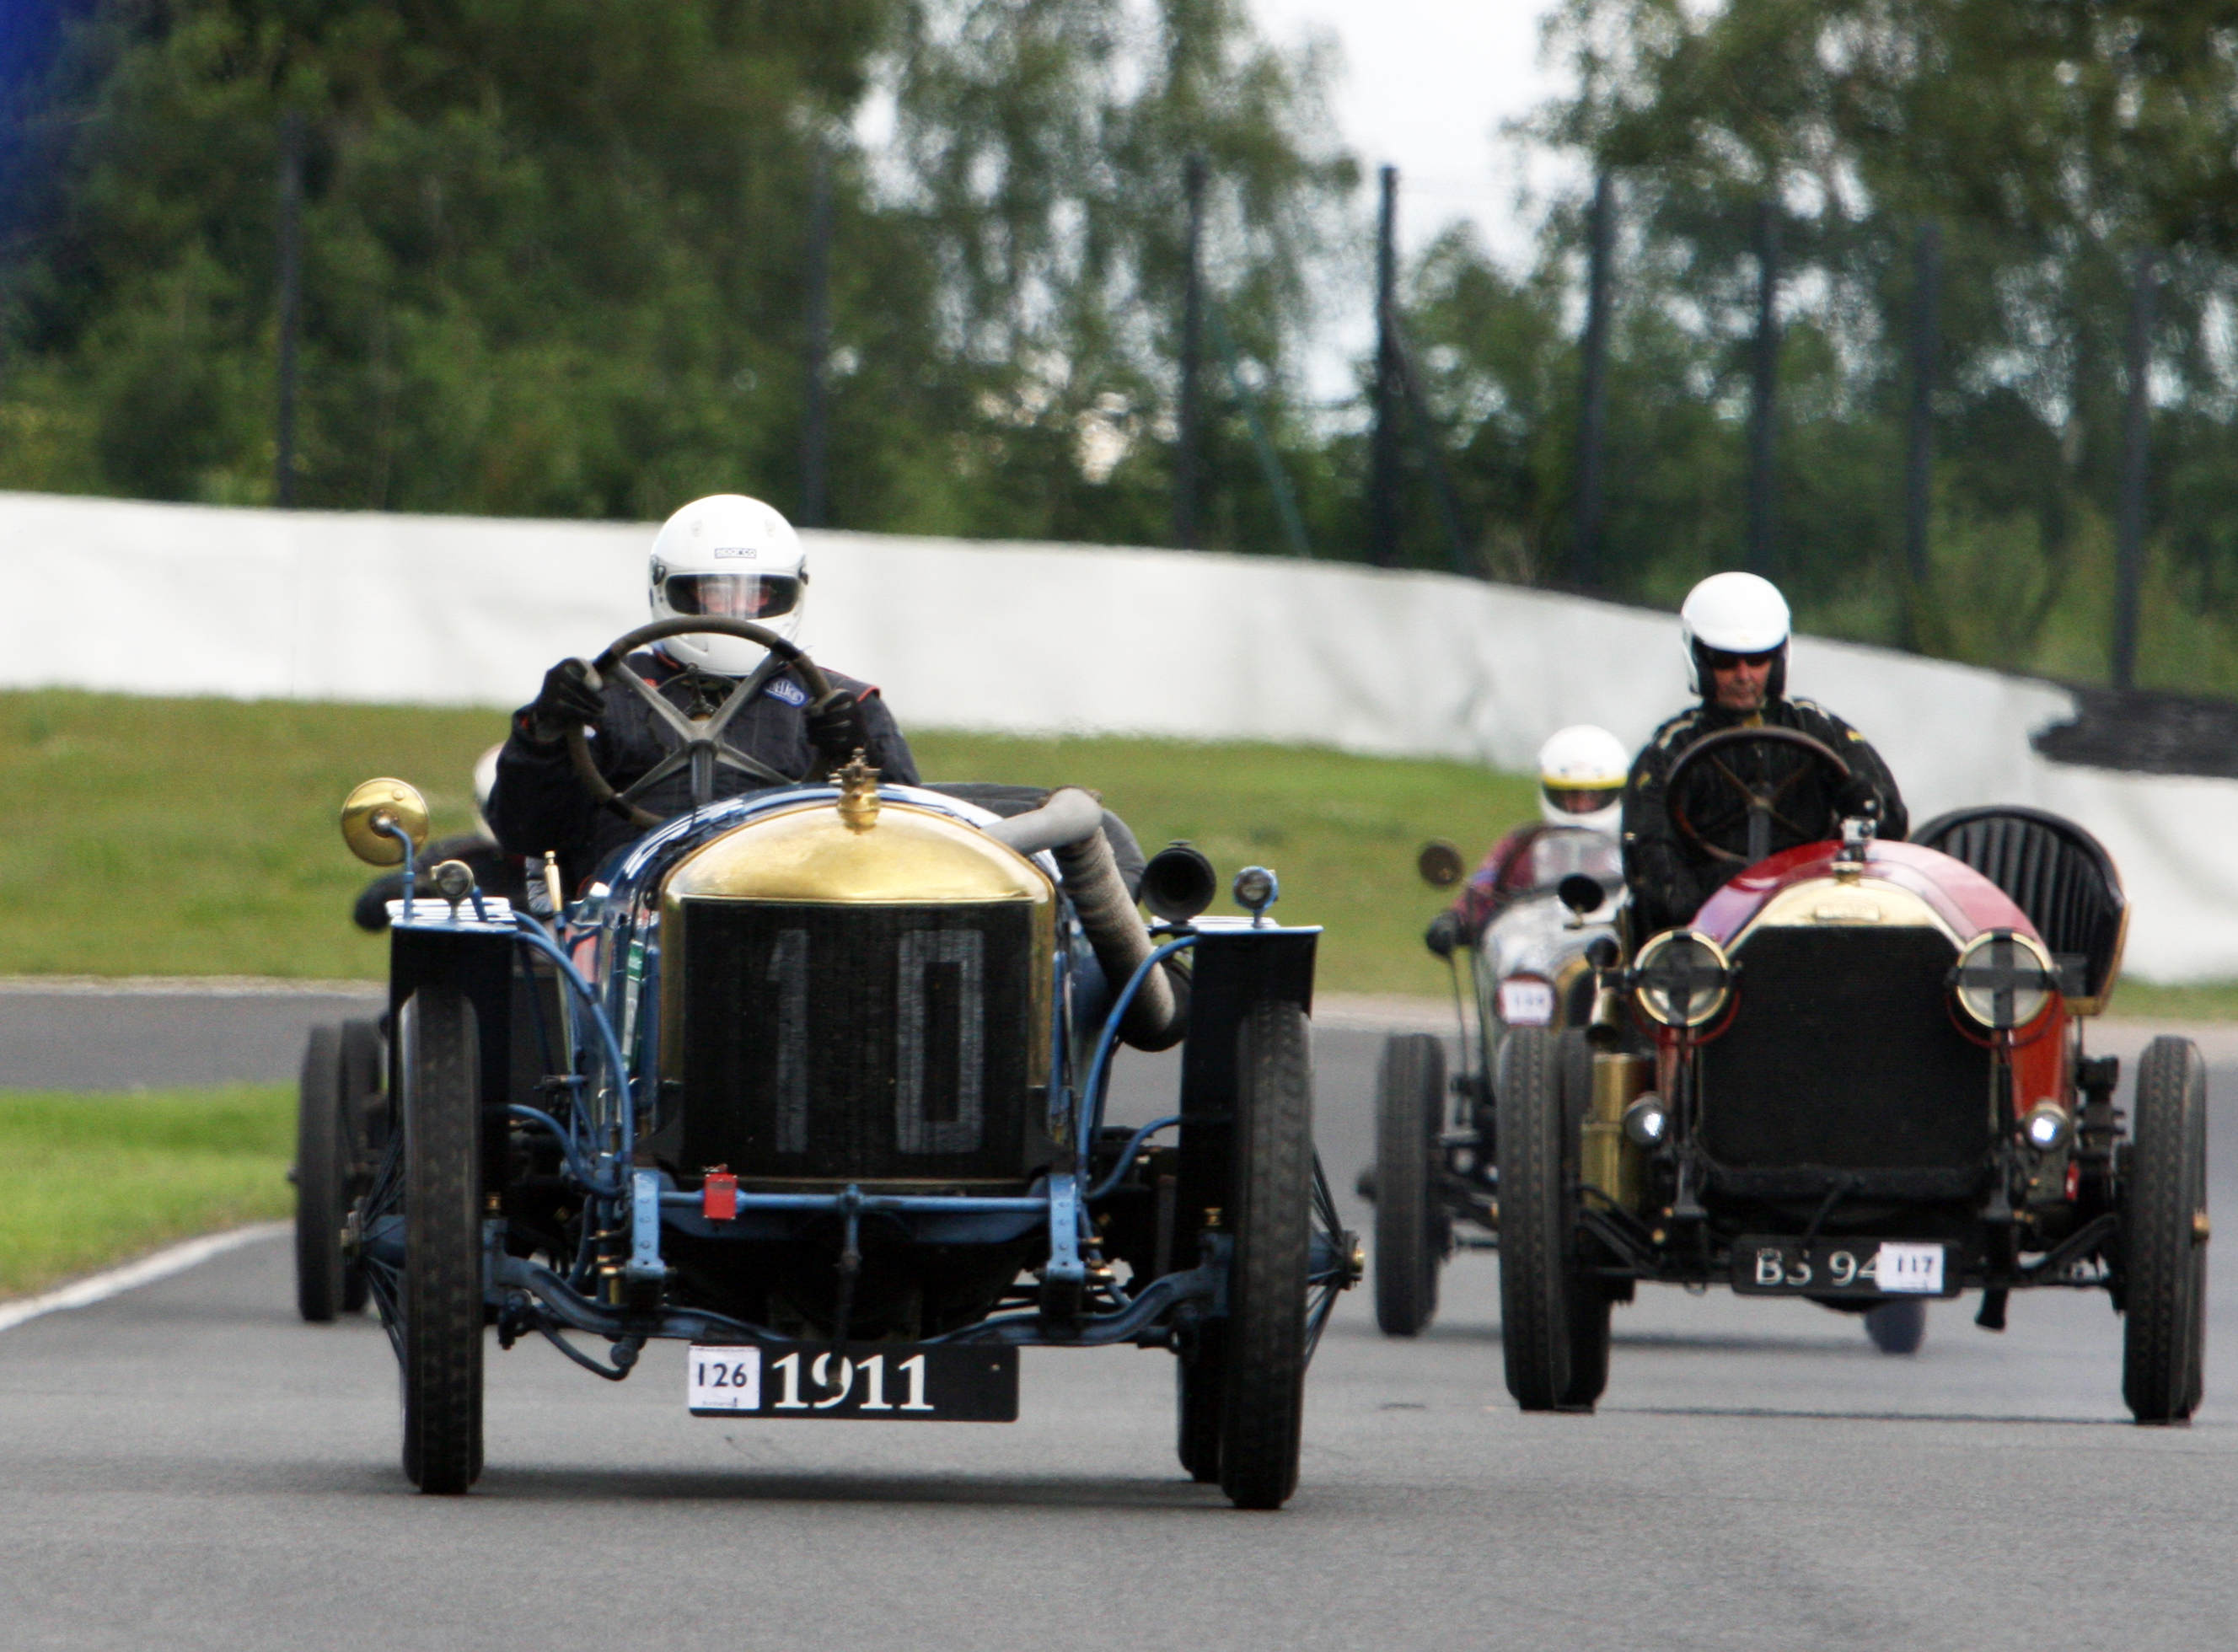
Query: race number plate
{"type": "Point", "coordinates": [1847, 1268]}
{"type": "Point", "coordinates": [892, 1382]}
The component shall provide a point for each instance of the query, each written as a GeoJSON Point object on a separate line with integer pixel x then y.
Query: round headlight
{"type": "Point", "coordinates": [1255, 890]}
{"type": "Point", "coordinates": [2045, 1127]}
{"type": "Point", "coordinates": [1683, 978]}
{"type": "Point", "coordinates": [2004, 979]}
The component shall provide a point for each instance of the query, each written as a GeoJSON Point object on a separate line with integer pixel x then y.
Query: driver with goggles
{"type": "Point", "coordinates": [1735, 628]}
{"type": "Point", "coordinates": [724, 557]}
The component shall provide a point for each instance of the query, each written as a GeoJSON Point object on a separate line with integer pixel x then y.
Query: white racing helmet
{"type": "Point", "coordinates": [1581, 776]}
{"type": "Point", "coordinates": [1734, 613]}
{"type": "Point", "coordinates": [732, 557]}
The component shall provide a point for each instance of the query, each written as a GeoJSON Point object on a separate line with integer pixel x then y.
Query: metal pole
{"type": "Point", "coordinates": [1592, 414]}
{"type": "Point", "coordinates": [1763, 403]}
{"type": "Point", "coordinates": [2137, 458]}
{"type": "Point", "coordinates": [1383, 451]}
{"type": "Point", "coordinates": [1190, 414]}
{"type": "Point", "coordinates": [291, 303]}
{"type": "Point", "coordinates": [1919, 455]}
{"type": "Point", "coordinates": [1919, 449]}
{"type": "Point", "coordinates": [1433, 458]}
{"type": "Point", "coordinates": [815, 422]}
{"type": "Point", "coordinates": [1270, 464]}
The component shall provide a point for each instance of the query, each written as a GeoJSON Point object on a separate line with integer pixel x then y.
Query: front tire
{"type": "Point", "coordinates": [1554, 1321]}
{"type": "Point", "coordinates": [1199, 1382]}
{"type": "Point", "coordinates": [2164, 1236]}
{"type": "Point", "coordinates": [322, 1179]}
{"type": "Point", "coordinates": [1410, 1091]}
{"type": "Point", "coordinates": [1263, 1406]}
{"type": "Point", "coordinates": [441, 1304]}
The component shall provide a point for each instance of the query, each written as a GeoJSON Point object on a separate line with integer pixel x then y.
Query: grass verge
{"type": "Point", "coordinates": [195, 837]}
{"type": "Point", "coordinates": [98, 1179]}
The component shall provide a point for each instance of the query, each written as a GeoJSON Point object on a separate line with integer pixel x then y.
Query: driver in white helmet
{"type": "Point", "coordinates": [1581, 777]}
{"type": "Point", "coordinates": [1735, 627]}
{"type": "Point", "coordinates": [724, 556]}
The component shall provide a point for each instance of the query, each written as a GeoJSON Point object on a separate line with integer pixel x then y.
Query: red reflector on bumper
{"type": "Point", "coordinates": [719, 1196]}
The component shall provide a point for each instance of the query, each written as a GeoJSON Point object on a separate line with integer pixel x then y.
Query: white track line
{"type": "Point", "coordinates": [148, 1269]}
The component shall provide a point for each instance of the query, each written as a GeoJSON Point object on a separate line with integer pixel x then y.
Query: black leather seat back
{"type": "Point", "coordinates": [2056, 872]}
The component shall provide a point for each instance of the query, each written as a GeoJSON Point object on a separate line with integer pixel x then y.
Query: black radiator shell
{"type": "Point", "coordinates": [813, 1089]}
{"type": "Point", "coordinates": [1842, 1055]}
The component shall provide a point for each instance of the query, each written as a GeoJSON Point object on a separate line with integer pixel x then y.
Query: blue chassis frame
{"type": "Point", "coordinates": [632, 977]}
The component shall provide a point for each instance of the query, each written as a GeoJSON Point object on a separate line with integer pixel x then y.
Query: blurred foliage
{"type": "Point", "coordinates": [99, 1179]}
{"type": "Point", "coordinates": [554, 261]}
{"type": "Point", "coordinates": [2048, 146]}
{"type": "Point", "coordinates": [554, 253]}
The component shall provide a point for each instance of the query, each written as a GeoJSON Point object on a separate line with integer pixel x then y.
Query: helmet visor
{"type": "Point", "coordinates": [732, 596]}
{"type": "Point", "coordinates": [1583, 800]}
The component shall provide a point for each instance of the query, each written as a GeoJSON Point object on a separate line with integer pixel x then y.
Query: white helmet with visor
{"type": "Point", "coordinates": [1731, 615]}
{"type": "Point", "coordinates": [728, 556]}
{"type": "Point", "coordinates": [1581, 775]}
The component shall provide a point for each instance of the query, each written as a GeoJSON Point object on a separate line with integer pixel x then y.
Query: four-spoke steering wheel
{"type": "Point", "coordinates": [1764, 803]}
{"type": "Point", "coordinates": [698, 740]}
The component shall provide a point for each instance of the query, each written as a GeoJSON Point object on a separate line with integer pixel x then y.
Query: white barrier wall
{"type": "Point", "coordinates": [182, 599]}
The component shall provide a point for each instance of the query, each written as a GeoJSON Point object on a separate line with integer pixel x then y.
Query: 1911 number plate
{"type": "Point", "coordinates": [1854, 1268]}
{"type": "Point", "coordinates": [883, 1381]}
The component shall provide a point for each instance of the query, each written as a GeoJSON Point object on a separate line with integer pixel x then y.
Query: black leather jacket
{"type": "Point", "coordinates": [539, 804]}
{"type": "Point", "coordinates": [1669, 877]}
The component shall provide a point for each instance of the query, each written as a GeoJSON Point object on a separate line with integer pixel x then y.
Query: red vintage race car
{"type": "Point", "coordinates": [1859, 1078]}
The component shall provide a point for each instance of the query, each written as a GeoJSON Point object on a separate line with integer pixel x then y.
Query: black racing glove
{"type": "Point", "coordinates": [1858, 796]}
{"type": "Point", "coordinates": [566, 700]}
{"type": "Point", "coordinates": [837, 728]}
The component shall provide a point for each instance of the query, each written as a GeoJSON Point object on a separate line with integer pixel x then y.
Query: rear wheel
{"type": "Point", "coordinates": [2164, 1236]}
{"type": "Point", "coordinates": [1897, 1326]}
{"type": "Point", "coordinates": [360, 1133]}
{"type": "Point", "coordinates": [322, 1178]}
{"type": "Point", "coordinates": [1264, 1402]}
{"type": "Point", "coordinates": [1410, 1092]}
{"type": "Point", "coordinates": [1555, 1321]}
{"type": "Point", "coordinates": [441, 1298]}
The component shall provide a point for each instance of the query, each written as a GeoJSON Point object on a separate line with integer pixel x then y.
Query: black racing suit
{"type": "Point", "coordinates": [538, 803]}
{"type": "Point", "coordinates": [1669, 877]}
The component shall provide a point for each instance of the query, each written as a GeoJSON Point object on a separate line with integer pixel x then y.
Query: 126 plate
{"type": "Point", "coordinates": [1776, 1267]}
{"type": "Point", "coordinates": [879, 1382]}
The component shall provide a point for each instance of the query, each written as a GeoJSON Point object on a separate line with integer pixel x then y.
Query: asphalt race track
{"type": "Point", "coordinates": [187, 1466]}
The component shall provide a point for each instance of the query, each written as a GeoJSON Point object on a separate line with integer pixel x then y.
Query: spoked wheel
{"type": "Point", "coordinates": [429, 1194]}
{"type": "Point", "coordinates": [2164, 1236]}
{"type": "Point", "coordinates": [1269, 1270]}
{"type": "Point", "coordinates": [1553, 1320]}
{"type": "Point", "coordinates": [322, 1178]}
{"type": "Point", "coordinates": [361, 1132]}
{"type": "Point", "coordinates": [1897, 1326]}
{"type": "Point", "coordinates": [1410, 1090]}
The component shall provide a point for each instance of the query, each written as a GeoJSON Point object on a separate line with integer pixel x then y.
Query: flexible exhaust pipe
{"type": "Point", "coordinates": [1070, 825]}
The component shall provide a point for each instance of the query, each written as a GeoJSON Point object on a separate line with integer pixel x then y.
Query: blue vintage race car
{"type": "Point", "coordinates": [814, 1079]}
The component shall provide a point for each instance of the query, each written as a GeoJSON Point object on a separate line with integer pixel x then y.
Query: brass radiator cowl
{"type": "Point", "coordinates": [1607, 1161]}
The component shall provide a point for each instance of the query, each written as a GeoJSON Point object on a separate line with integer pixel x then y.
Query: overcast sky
{"type": "Point", "coordinates": [1425, 86]}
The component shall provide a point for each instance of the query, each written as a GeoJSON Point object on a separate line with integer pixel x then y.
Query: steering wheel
{"type": "Point", "coordinates": [698, 740]}
{"type": "Point", "coordinates": [1764, 803]}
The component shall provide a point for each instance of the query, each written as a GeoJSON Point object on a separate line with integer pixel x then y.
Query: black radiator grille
{"type": "Point", "coordinates": [862, 1043]}
{"type": "Point", "coordinates": [1843, 1055]}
